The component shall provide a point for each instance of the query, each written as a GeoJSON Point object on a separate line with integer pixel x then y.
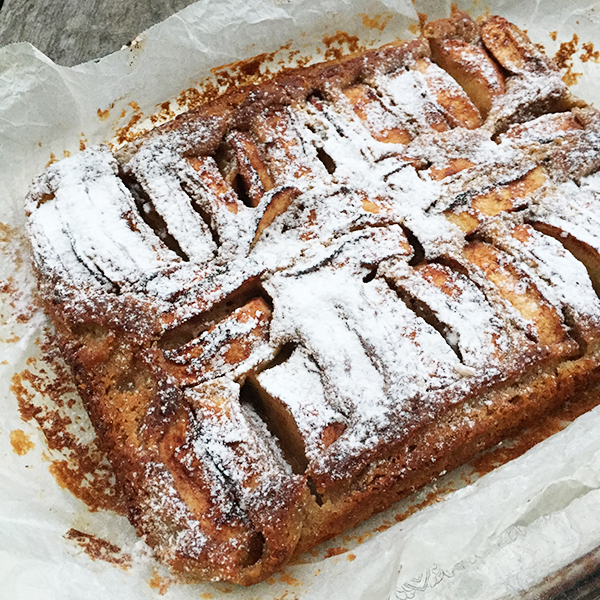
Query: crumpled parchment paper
{"type": "Point", "coordinates": [492, 539]}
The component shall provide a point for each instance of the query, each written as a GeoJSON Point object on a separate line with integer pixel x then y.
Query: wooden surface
{"type": "Point", "coordinates": [75, 31]}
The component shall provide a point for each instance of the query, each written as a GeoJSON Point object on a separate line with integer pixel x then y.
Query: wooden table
{"type": "Point", "coordinates": [75, 31]}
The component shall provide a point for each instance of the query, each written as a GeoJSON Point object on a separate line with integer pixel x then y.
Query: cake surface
{"type": "Point", "coordinates": [291, 307]}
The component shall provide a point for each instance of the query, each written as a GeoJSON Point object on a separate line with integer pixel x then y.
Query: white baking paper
{"type": "Point", "coordinates": [492, 539]}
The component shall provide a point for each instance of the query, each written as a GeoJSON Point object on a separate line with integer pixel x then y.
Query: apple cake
{"type": "Point", "coordinates": [290, 307]}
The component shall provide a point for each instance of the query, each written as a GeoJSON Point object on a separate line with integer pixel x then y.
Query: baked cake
{"type": "Point", "coordinates": [292, 306]}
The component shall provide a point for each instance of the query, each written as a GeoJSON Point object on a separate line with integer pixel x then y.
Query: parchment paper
{"type": "Point", "coordinates": [492, 539]}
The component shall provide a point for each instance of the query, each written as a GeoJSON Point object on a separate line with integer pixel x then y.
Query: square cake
{"type": "Point", "coordinates": [291, 307]}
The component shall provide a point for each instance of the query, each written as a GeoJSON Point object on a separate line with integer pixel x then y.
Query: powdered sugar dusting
{"type": "Point", "coordinates": [95, 215]}
{"type": "Point", "coordinates": [297, 384]}
{"type": "Point", "coordinates": [230, 439]}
